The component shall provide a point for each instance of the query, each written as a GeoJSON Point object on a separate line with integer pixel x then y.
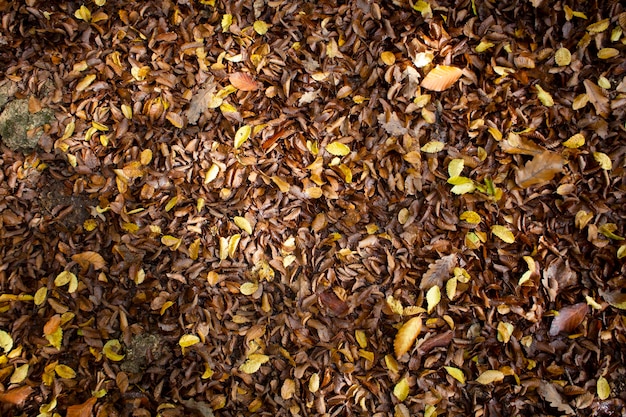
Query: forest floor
{"type": "Point", "coordinates": [293, 208]}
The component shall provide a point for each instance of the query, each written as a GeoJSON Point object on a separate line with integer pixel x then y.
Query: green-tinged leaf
{"type": "Point", "coordinates": [621, 252]}
{"type": "Point", "coordinates": [430, 410]}
{"type": "Point", "coordinates": [401, 390]}
{"type": "Point", "coordinates": [603, 388]}
{"type": "Point", "coordinates": [455, 167]}
{"type": "Point", "coordinates": [40, 296]}
{"type": "Point", "coordinates": [483, 46]}
{"type": "Point", "coordinates": [593, 303]}
{"type": "Point", "coordinates": [505, 331]}
{"type": "Point", "coordinates": [608, 230]}
{"type": "Point", "coordinates": [433, 296]}
{"type": "Point", "coordinates": [455, 373]}
{"type": "Point", "coordinates": [464, 188]}
{"type": "Point", "coordinates": [433, 146]}
{"type": "Point", "coordinates": [337, 149]}
{"type": "Point", "coordinates": [503, 233]}
{"type": "Point", "coordinates": [489, 377]}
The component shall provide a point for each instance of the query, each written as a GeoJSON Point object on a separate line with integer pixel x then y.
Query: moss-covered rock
{"type": "Point", "coordinates": [21, 129]}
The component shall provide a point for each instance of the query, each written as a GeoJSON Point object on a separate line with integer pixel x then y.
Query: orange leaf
{"type": "Point", "coordinates": [243, 81]}
{"type": "Point", "coordinates": [82, 410]}
{"type": "Point", "coordinates": [16, 396]}
{"type": "Point", "coordinates": [569, 318]}
{"type": "Point", "coordinates": [540, 169]}
{"type": "Point", "coordinates": [52, 324]}
{"type": "Point", "coordinates": [441, 78]}
{"type": "Point", "coordinates": [406, 336]}
{"type": "Point", "coordinates": [85, 259]}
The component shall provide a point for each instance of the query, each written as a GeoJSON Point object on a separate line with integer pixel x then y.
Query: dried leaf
{"type": "Point", "coordinates": [433, 296]}
{"type": "Point", "coordinates": [603, 160]}
{"type": "Point", "coordinates": [471, 217]}
{"type": "Point", "coordinates": [82, 410]}
{"type": "Point", "coordinates": [541, 169]}
{"type": "Point", "coordinates": [87, 258]}
{"type": "Point", "coordinates": [568, 319]}
{"type": "Point", "coordinates": [505, 331]}
{"type": "Point", "coordinates": [392, 124]}
{"type": "Point", "coordinates": [243, 224]}
{"type": "Point", "coordinates": [615, 298]}
{"type": "Point", "coordinates": [433, 146]}
{"type": "Point", "coordinates": [597, 98]}
{"type": "Point", "coordinates": [563, 57]}
{"type": "Point", "coordinates": [242, 135]}
{"type": "Point", "coordinates": [188, 340]}
{"type": "Point", "coordinates": [455, 167]}
{"type": "Point", "coordinates": [441, 78]}
{"type": "Point", "coordinates": [200, 101]}
{"type": "Point", "coordinates": [388, 58]}
{"type": "Point", "coordinates": [544, 96]}
{"type": "Point", "coordinates": [16, 396]}
{"type": "Point", "coordinates": [6, 341]}
{"type": "Point", "coordinates": [85, 82]}
{"type": "Point", "coordinates": [489, 377]}
{"type": "Point", "coordinates": [438, 272]}
{"type": "Point", "coordinates": [260, 27]}
{"type": "Point", "coordinates": [20, 374]}
{"type": "Point", "coordinates": [338, 149]}
{"type": "Point", "coordinates": [575, 141]}
{"type": "Point", "coordinates": [406, 336]}
{"type": "Point", "coordinates": [243, 81]}
{"type": "Point", "coordinates": [111, 350]}
{"type": "Point", "coordinates": [248, 288]}
{"type": "Point", "coordinates": [314, 382]}
{"type": "Point", "coordinates": [519, 145]}
{"type": "Point", "coordinates": [549, 393]}
{"type": "Point", "coordinates": [64, 371]}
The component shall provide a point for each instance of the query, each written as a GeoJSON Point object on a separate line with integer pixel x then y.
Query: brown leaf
{"type": "Point", "coordinates": [87, 258]}
{"type": "Point", "coordinates": [200, 101]}
{"type": "Point", "coordinates": [441, 78]}
{"type": "Point", "coordinates": [82, 410]}
{"type": "Point", "coordinates": [334, 304]}
{"type": "Point", "coordinates": [243, 81]}
{"type": "Point", "coordinates": [597, 98]}
{"type": "Point", "coordinates": [550, 394]}
{"type": "Point", "coordinates": [438, 272]}
{"type": "Point", "coordinates": [568, 319]}
{"type": "Point", "coordinates": [16, 396]}
{"type": "Point", "coordinates": [541, 169]}
{"type": "Point", "coordinates": [519, 145]}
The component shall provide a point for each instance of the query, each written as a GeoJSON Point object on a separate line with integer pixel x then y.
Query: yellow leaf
{"type": "Point", "coordinates": [471, 217]}
{"type": "Point", "coordinates": [451, 288]}
{"type": "Point", "coordinates": [20, 374]}
{"type": "Point", "coordinates": [242, 135]}
{"type": "Point", "coordinates": [388, 58]}
{"type": "Point", "coordinates": [593, 303]}
{"type": "Point", "coordinates": [171, 242]}
{"type": "Point", "coordinates": [483, 46]}
{"type": "Point", "coordinates": [85, 82]}
{"type": "Point", "coordinates": [608, 53]}
{"type": "Point", "coordinates": [248, 288]}
{"type": "Point", "coordinates": [406, 336]}
{"type": "Point", "coordinates": [603, 388]}
{"type": "Point", "coordinates": [282, 185]}
{"type": "Point", "coordinates": [604, 82]}
{"type": "Point", "coordinates": [598, 27]}
{"type": "Point", "coordinates": [621, 252]}
{"type": "Point", "coordinates": [188, 340]}
{"type": "Point", "coordinates": [260, 27]}
{"type": "Point", "coordinates": [544, 96]}
{"type": "Point", "coordinates": [455, 167]}
{"type": "Point", "coordinates": [563, 57]}
{"type": "Point", "coordinates": [65, 371]}
{"type": "Point", "coordinates": [233, 243]}
{"type": "Point", "coordinates": [171, 204]}
{"type": "Point", "coordinates": [127, 111]}
{"type": "Point", "coordinates": [433, 146]}
{"type": "Point", "coordinates": [424, 8]}
{"type": "Point", "coordinates": [64, 278]}
{"type": "Point", "coordinates": [455, 373]}
{"type": "Point", "coordinates": [580, 101]}
{"type": "Point", "coordinates": [392, 364]}
{"type": "Point", "coordinates": [463, 188]}
{"type": "Point", "coordinates": [603, 160]}
{"type": "Point", "coordinates": [111, 350]}
{"type": "Point", "coordinates": [361, 338]}
{"type": "Point", "coordinates": [401, 390]}
{"type": "Point", "coordinates": [489, 377]}
{"type": "Point", "coordinates": [243, 224]}
{"type": "Point", "coordinates": [211, 174]}
{"type": "Point", "coordinates": [575, 141]}
{"type": "Point", "coordinates": [83, 14]}
{"type": "Point", "coordinates": [395, 305]}
{"type": "Point", "coordinates": [253, 363]}
{"type": "Point", "coordinates": [337, 149]}
{"type": "Point", "coordinates": [505, 331]}
{"type": "Point", "coordinates": [503, 233]}
{"type": "Point", "coordinates": [314, 192]}
{"type": "Point", "coordinates": [175, 119]}
{"type": "Point", "coordinates": [441, 78]}
{"type": "Point", "coordinates": [90, 224]}
{"type": "Point", "coordinates": [433, 296]}
{"type": "Point", "coordinates": [40, 296]}
{"type": "Point", "coordinates": [140, 73]}
{"type": "Point", "coordinates": [55, 338]}
{"type": "Point", "coordinates": [227, 20]}
{"type": "Point", "coordinates": [87, 258]}
{"type": "Point", "coordinates": [208, 372]}
{"type": "Point", "coordinates": [314, 383]}
{"type": "Point", "coordinates": [497, 135]}
{"type": "Point", "coordinates": [608, 230]}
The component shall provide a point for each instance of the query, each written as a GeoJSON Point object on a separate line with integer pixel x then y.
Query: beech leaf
{"type": "Point", "coordinates": [82, 410]}
{"type": "Point", "coordinates": [441, 78]}
{"type": "Point", "coordinates": [568, 318]}
{"type": "Point", "coordinates": [243, 81]}
{"type": "Point", "coordinates": [87, 258]}
{"type": "Point", "coordinates": [438, 272]}
{"type": "Point", "coordinates": [539, 170]}
{"type": "Point", "coordinates": [489, 377]}
{"type": "Point", "coordinates": [597, 98]}
{"type": "Point", "coordinates": [406, 336]}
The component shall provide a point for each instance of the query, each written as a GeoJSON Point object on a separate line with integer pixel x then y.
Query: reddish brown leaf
{"type": "Point", "coordinates": [82, 410]}
{"type": "Point", "coordinates": [16, 396]}
{"type": "Point", "coordinates": [541, 169]}
{"type": "Point", "coordinates": [87, 258]}
{"type": "Point", "coordinates": [243, 81]}
{"type": "Point", "coordinates": [568, 319]}
{"type": "Point", "coordinates": [336, 306]}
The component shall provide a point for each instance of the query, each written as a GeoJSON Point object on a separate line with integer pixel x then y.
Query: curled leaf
{"type": "Point", "coordinates": [111, 350]}
{"type": "Point", "coordinates": [87, 258]}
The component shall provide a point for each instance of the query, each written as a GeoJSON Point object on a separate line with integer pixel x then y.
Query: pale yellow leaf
{"type": "Point", "coordinates": [337, 149]}
{"type": "Point", "coordinates": [83, 13]}
{"type": "Point", "coordinates": [489, 377]}
{"type": "Point", "coordinates": [314, 382]}
{"type": "Point", "coordinates": [401, 389]}
{"type": "Point", "coordinates": [483, 46]}
{"type": "Point", "coordinates": [503, 233]}
{"type": "Point", "coordinates": [433, 296]}
{"type": "Point", "coordinates": [505, 331]}
{"type": "Point", "coordinates": [40, 296]}
{"type": "Point", "coordinates": [433, 146]}
{"type": "Point", "coordinates": [544, 96]}
{"type": "Point", "coordinates": [248, 288]}
{"type": "Point", "coordinates": [603, 160]}
{"type": "Point", "coordinates": [64, 278]}
{"type": "Point", "coordinates": [20, 374]}
{"type": "Point", "coordinates": [253, 363]}
{"type": "Point", "coordinates": [406, 336]}
{"type": "Point", "coordinates": [243, 224]}
{"type": "Point", "coordinates": [242, 135]}
{"type": "Point", "coordinates": [455, 167]}
{"type": "Point", "coordinates": [603, 388]}
{"type": "Point", "coordinates": [233, 244]}
{"type": "Point", "coordinates": [455, 373]}
{"type": "Point", "coordinates": [563, 57]}
{"type": "Point", "coordinates": [260, 27]}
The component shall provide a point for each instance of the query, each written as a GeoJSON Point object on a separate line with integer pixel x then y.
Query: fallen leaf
{"type": "Point", "coordinates": [441, 78]}
{"type": "Point", "coordinates": [433, 296]}
{"type": "Point", "coordinates": [549, 393]}
{"type": "Point", "coordinates": [253, 363]}
{"type": "Point", "coordinates": [503, 233]}
{"type": "Point", "coordinates": [568, 319]}
{"type": "Point", "coordinates": [406, 336]}
{"type": "Point", "coordinates": [337, 149]}
{"type": "Point", "coordinates": [243, 81]}
{"type": "Point", "coordinates": [438, 272]}
{"type": "Point", "coordinates": [16, 396]}
{"type": "Point", "coordinates": [87, 258]}
{"type": "Point", "coordinates": [242, 135]}
{"type": "Point", "coordinates": [539, 170]}
{"type": "Point", "coordinates": [489, 377]}
{"type": "Point", "coordinates": [6, 341]}
{"type": "Point", "coordinates": [401, 389]}
{"type": "Point", "coordinates": [82, 410]}
{"type": "Point", "coordinates": [455, 373]}
{"type": "Point", "coordinates": [603, 388]}
{"type": "Point", "coordinates": [597, 98]}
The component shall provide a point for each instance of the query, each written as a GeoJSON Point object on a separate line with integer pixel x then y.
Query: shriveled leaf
{"type": "Point", "coordinates": [392, 123]}
{"type": "Point", "coordinates": [455, 373]}
{"type": "Point", "coordinates": [541, 169]}
{"type": "Point", "coordinates": [401, 389]}
{"type": "Point", "coordinates": [550, 393]}
{"type": "Point", "coordinates": [597, 98]}
{"type": "Point", "coordinates": [438, 272]}
{"type": "Point", "coordinates": [243, 81]}
{"type": "Point", "coordinates": [406, 336]}
{"type": "Point", "coordinates": [603, 388]}
{"type": "Point", "coordinates": [489, 377]}
{"type": "Point", "coordinates": [87, 258]}
{"type": "Point", "coordinates": [111, 350]}
{"type": "Point", "coordinates": [568, 319]}
{"type": "Point", "coordinates": [338, 149]}
{"type": "Point", "coordinates": [253, 363]}
{"type": "Point", "coordinates": [503, 233]}
{"type": "Point", "coordinates": [441, 78]}
{"type": "Point", "coordinates": [519, 145]}
{"type": "Point", "coordinates": [433, 296]}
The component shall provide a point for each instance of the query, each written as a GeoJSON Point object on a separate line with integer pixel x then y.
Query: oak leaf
{"type": "Point", "coordinates": [541, 169]}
